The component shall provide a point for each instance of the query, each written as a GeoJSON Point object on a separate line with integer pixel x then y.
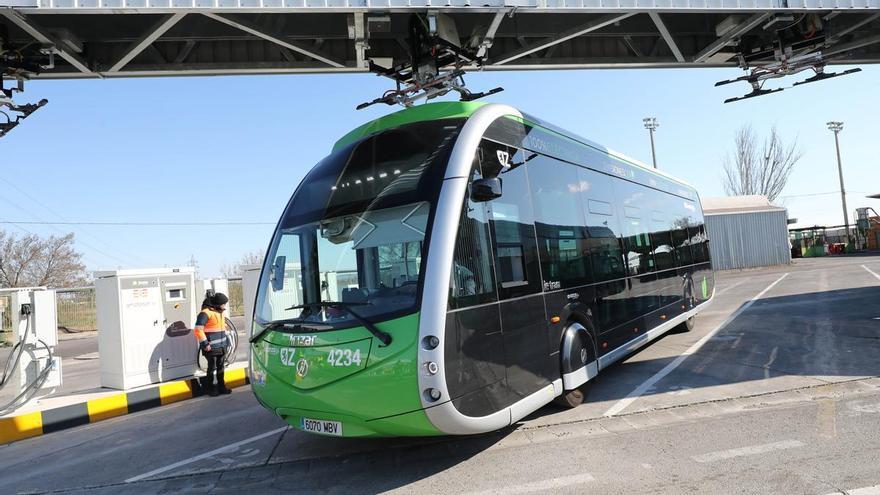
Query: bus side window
{"type": "Point", "coordinates": [635, 202]}
{"type": "Point", "coordinates": [513, 229]}
{"type": "Point", "coordinates": [597, 198]}
{"type": "Point", "coordinates": [682, 242]}
{"type": "Point", "coordinates": [559, 222]}
{"type": "Point", "coordinates": [661, 241]}
{"type": "Point", "coordinates": [472, 280]}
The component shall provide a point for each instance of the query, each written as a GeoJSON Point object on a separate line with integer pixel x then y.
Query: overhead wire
{"type": "Point", "coordinates": [52, 225]}
{"type": "Point", "coordinates": [24, 193]}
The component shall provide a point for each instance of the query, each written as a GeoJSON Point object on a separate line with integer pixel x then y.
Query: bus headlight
{"type": "Point", "coordinates": [433, 394]}
{"type": "Point", "coordinates": [430, 342]}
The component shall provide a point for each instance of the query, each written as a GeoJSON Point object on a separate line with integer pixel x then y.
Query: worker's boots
{"type": "Point", "coordinates": [221, 385]}
{"type": "Point", "coordinates": [207, 383]}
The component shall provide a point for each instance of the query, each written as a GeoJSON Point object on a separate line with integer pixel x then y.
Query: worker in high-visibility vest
{"type": "Point", "coordinates": [210, 331]}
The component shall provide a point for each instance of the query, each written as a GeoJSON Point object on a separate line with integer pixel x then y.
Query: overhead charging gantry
{"type": "Point", "coordinates": [17, 64]}
{"type": "Point", "coordinates": [798, 46]}
{"type": "Point", "coordinates": [436, 64]}
{"type": "Point", "coordinates": [425, 47]}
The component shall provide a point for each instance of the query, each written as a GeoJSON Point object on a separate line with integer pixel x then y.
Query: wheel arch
{"type": "Point", "coordinates": [575, 367]}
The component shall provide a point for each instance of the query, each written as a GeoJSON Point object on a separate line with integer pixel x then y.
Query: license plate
{"type": "Point", "coordinates": [321, 426]}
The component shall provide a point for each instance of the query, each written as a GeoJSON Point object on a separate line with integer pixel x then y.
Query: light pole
{"type": "Point", "coordinates": [651, 125]}
{"type": "Point", "coordinates": [836, 127]}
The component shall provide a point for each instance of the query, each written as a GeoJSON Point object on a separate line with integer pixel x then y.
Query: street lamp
{"type": "Point", "coordinates": [836, 127]}
{"type": "Point", "coordinates": [651, 125]}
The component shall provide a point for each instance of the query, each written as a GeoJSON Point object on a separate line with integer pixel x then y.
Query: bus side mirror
{"type": "Point", "coordinates": [277, 275]}
{"type": "Point", "coordinates": [483, 190]}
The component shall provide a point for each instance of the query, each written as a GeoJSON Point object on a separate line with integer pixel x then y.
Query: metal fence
{"type": "Point", "coordinates": [5, 319]}
{"type": "Point", "coordinates": [76, 309]}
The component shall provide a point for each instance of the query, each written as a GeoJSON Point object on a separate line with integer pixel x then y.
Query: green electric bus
{"type": "Point", "coordinates": [453, 267]}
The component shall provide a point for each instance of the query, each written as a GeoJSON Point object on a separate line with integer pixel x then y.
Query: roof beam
{"type": "Point", "coordinates": [628, 42]}
{"type": "Point", "coordinates": [591, 26]}
{"type": "Point", "coordinates": [184, 52]}
{"type": "Point", "coordinates": [852, 28]}
{"type": "Point", "coordinates": [489, 38]}
{"type": "Point", "coordinates": [291, 45]}
{"type": "Point", "coordinates": [361, 45]}
{"type": "Point", "coordinates": [736, 32]}
{"type": "Point", "coordinates": [667, 36]}
{"type": "Point", "coordinates": [853, 45]}
{"type": "Point", "coordinates": [41, 35]}
{"type": "Point", "coordinates": [146, 40]}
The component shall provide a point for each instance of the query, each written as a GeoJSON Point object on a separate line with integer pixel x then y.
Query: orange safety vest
{"type": "Point", "coordinates": [216, 323]}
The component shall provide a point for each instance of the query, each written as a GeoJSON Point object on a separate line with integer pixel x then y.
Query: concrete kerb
{"type": "Point", "coordinates": [106, 406]}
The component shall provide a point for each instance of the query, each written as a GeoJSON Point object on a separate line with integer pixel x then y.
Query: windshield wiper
{"type": "Point", "coordinates": [273, 325]}
{"type": "Point", "coordinates": [383, 337]}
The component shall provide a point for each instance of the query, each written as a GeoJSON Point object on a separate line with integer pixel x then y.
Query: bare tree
{"type": "Point", "coordinates": [750, 170]}
{"type": "Point", "coordinates": [30, 261]}
{"type": "Point", "coordinates": [235, 270]}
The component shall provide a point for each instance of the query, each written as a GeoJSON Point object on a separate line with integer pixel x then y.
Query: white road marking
{"type": "Point", "coordinates": [650, 382]}
{"type": "Point", "coordinates": [722, 291]}
{"type": "Point", "coordinates": [750, 450]}
{"type": "Point", "coordinates": [868, 490]}
{"type": "Point", "coordinates": [539, 486]}
{"type": "Point", "coordinates": [872, 272]}
{"type": "Point", "coordinates": [206, 455]}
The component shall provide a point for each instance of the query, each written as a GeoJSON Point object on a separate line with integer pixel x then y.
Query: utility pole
{"type": "Point", "coordinates": [836, 127]}
{"type": "Point", "coordinates": [651, 125]}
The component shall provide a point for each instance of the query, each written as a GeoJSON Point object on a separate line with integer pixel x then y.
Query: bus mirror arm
{"type": "Point", "coordinates": [485, 189]}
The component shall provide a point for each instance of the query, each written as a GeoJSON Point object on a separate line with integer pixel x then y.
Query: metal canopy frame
{"type": "Point", "coordinates": [138, 38]}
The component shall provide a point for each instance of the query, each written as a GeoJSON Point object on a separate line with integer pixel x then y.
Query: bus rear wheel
{"type": "Point", "coordinates": [687, 325]}
{"type": "Point", "coordinates": [571, 399]}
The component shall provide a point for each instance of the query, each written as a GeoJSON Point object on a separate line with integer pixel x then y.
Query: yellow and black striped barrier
{"type": "Point", "coordinates": [37, 423]}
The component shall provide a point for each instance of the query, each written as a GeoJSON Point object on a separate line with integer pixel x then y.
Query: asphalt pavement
{"type": "Point", "coordinates": [775, 390]}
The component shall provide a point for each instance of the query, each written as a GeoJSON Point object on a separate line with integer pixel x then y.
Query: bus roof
{"type": "Point", "coordinates": [420, 113]}
{"type": "Point", "coordinates": [461, 109]}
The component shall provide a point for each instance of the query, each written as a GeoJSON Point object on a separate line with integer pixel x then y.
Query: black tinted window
{"type": "Point", "coordinates": [562, 240]}
{"type": "Point", "coordinates": [472, 281]}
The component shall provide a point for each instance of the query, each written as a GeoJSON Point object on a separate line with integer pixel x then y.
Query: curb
{"type": "Point", "coordinates": [38, 423]}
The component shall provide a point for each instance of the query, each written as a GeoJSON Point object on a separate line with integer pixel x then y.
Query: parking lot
{"type": "Point", "coordinates": [775, 390]}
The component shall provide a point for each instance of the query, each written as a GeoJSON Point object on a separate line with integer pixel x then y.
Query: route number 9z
{"type": "Point", "coordinates": [344, 357]}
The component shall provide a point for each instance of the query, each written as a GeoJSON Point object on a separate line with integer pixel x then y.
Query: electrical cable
{"type": "Point", "coordinates": [41, 377]}
{"type": "Point", "coordinates": [35, 385]}
{"type": "Point", "coordinates": [20, 346]}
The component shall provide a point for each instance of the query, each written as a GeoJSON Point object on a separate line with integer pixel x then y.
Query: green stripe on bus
{"type": "Point", "coordinates": [421, 113]}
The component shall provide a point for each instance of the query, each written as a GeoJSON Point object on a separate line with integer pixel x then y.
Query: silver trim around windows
{"type": "Point", "coordinates": [442, 413]}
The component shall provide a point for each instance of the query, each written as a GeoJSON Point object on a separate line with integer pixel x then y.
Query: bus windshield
{"type": "Point", "coordinates": [355, 230]}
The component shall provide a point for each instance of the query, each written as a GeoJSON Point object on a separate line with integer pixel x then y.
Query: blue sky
{"type": "Point", "coordinates": [234, 148]}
